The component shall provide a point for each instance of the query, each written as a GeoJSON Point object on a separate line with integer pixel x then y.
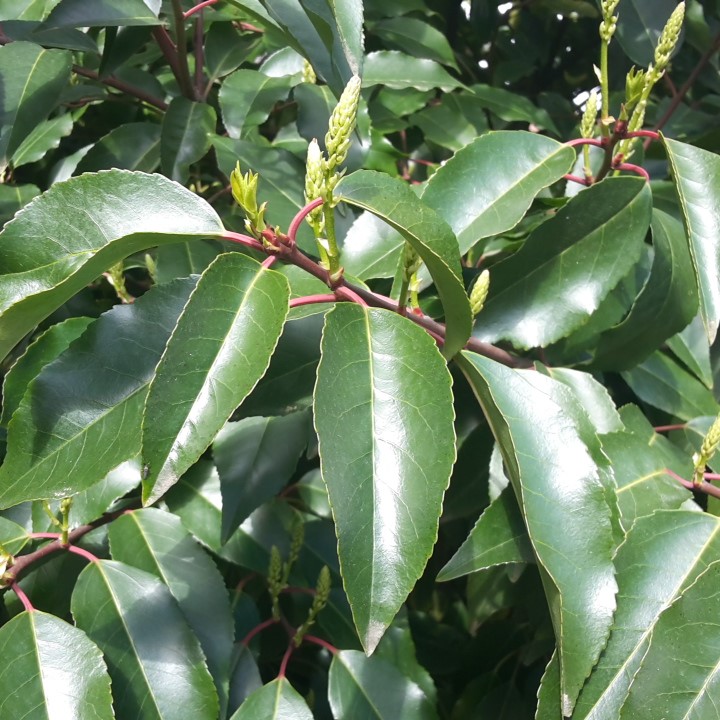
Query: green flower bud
{"type": "Point", "coordinates": [668, 40]}
{"type": "Point", "coordinates": [634, 86]}
{"type": "Point", "coordinates": [609, 22]}
{"type": "Point", "coordinates": [341, 125]}
{"type": "Point", "coordinates": [244, 190]}
{"type": "Point", "coordinates": [308, 74]}
{"type": "Point", "coordinates": [587, 125]}
{"type": "Point", "coordinates": [314, 179]}
{"type": "Point", "coordinates": [322, 594]}
{"type": "Point", "coordinates": [411, 262]}
{"type": "Point", "coordinates": [709, 447]}
{"type": "Point", "coordinates": [479, 292]}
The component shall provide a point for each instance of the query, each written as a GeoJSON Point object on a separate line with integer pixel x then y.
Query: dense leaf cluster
{"type": "Point", "coordinates": [240, 481]}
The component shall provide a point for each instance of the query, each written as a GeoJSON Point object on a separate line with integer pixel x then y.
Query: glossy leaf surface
{"type": "Point", "coordinates": [51, 670]}
{"type": "Point", "coordinates": [79, 229]}
{"type": "Point", "coordinates": [639, 26]}
{"type": "Point", "coordinates": [567, 266]}
{"type": "Point", "coordinates": [277, 700]}
{"type": "Point", "coordinates": [429, 235]}
{"type": "Point", "coordinates": [45, 137]}
{"type": "Point", "coordinates": [560, 491]}
{"type": "Point", "coordinates": [133, 146]}
{"type": "Point", "coordinates": [397, 70]}
{"type": "Point", "coordinates": [220, 348]}
{"type": "Point", "coordinates": [383, 412]}
{"type": "Point", "coordinates": [77, 13]}
{"type": "Point", "coordinates": [186, 136]}
{"type": "Point", "coordinates": [156, 665]}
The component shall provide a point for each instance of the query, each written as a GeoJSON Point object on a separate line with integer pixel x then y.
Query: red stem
{"type": "Point", "coordinates": [198, 7]}
{"type": "Point", "coordinates": [269, 261]}
{"type": "Point", "coordinates": [704, 487]}
{"type": "Point", "coordinates": [286, 659]}
{"type": "Point", "coordinates": [585, 141]}
{"type": "Point", "coordinates": [633, 168]}
{"type": "Point", "coordinates": [24, 599]}
{"type": "Point", "coordinates": [668, 428]}
{"type": "Point", "coordinates": [258, 629]}
{"type": "Point", "coordinates": [301, 215]}
{"type": "Point", "coordinates": [242, 240]}
{"type": "Point", "coordinates": [312, 300]}
{"type": "Point", "coordinates": [44, 536]}
{"type": "Point", "coordinates": [322, 643]}
{"type": "Point", "coordinates": [82, 553]}
{"type": "Point", "coordinates": [343, 291]}
{"type": "Point", "coordinates": [299, 590]}
{"type": "Point", "coordinates": [644, 133]}
{"type": "Point", "coordinates": [575, 178]}
{"type": "Point", "coordinates": [711, 476]}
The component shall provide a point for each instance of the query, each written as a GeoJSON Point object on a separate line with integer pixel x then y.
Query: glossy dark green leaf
{"type": "Point", "coordinates": [134, 146]}
{"type": "Point", "coordinates": [567, 266]}
{"type": "Point", "coordinates": [373, 689]}
{"type": "Point", "coordinates": [684, 636]}
{"type": "Point", "coordinates": [662, 383]}
{"type": "Point", "coordinates": [513, 107]}
{"type": "Point", "coordinates": [691, 347]}
{"type": "Point", "coordinates": [77, 13]}
{"type": "Point", "coordinates": [184, 259]}
{"type": "Point", "coordinates": [32, 80]}
{"type": "Point", "coordinates": [663, 555]}
{"type": "Point", "coordinates": [15, 197]}
{"type": "Point", "coordinates": [446, 124]}
{"type": "Point", "coordinates": [394, 202]}
{"type": "Point", "coordinates": [328, 33]}
{"type": "Point", "coordinates": [548, 707]}
{"type": "Point", "coordinates": [187, 131]}
{"type": "Point", "coordinates": [13, 537]}
{"type": "Point", "coordinates": [245, 677]}
{"type": "Point", "coordinates": [563, 500]}
{"type": "Point", "coordinates": [51, 670]}
{"type": "Point", "coordinates": [487, 187]}
{"type": "Point", "coordinates": [665, 305]}
{"type": "Point", "coordinates": [101, 219]}
{"type": "Point", "coordinates": [156, 665]}
{"type": "Point", "coordinates": [247, 98]}
{"type": "Point", "coordinates": [44, 137]}
{"type": "Point", "coordinates": [397, 70]}
{"type": "Point", "coordinates": [155, 541]}
{"type": "Point", "coordinates": [226, 49]}
{"type": "Point", "coordinates": [416, 38]}
{"type": "Point", "coordinates": [255, 459]}
{"type": "Point", "coordinates": [696, 174]}
{"type": "Point", "coordinates": [499, 537]}
{"type": "Point", "coordinates": [58, 446]}
{"type": "Point", "coordinates": [371, 248]}
{"type": "Point", "coordinates": [277, 700]}
{"type": "Point", "coordinates": [219, 350]}
{"type": "Point", "coordinates": [383, 412]}
{"type": "Point", "coordinates": [640, 23]}
{"type": "Point", "coordinates": [48, 346]}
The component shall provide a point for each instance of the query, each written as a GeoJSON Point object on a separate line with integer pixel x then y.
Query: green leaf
{"type": "Point", "coordinates": [563, 500]}
{"type": "Point", "coordinates": [696, 174]}
{"type": "Point", "coordinates": [51, 670]}
{"type": "Point", "coordinates": [394, 202]}
{"type": "Point", "coordinates": [133, 146]}
{"type": "Point", "coordinates": [221, 347]}
{"type": "Point", "coordinates": [328, 33]}
{"type": "Point", "coordinates": [15, 197]}
{"type": "Point", "coordinates": [184, 259]}
{"type": "Point", "coordinates": [247, 98]}
{"type": "Point", "coordinates": [54, 441]}
{"type": "Point", "coordinates": [499, 537]}
{"type": "Point", "coordinates": [32, 80]}
{"type": "Point", "coordinates": [480, 193]}
{"type": "Point", "coordinates": [691, 347]}
{"type": "Point", "coordinates": [640, 23]}
{"type": "Point", "coordinates": [567, 266]}
{"type": "Point", "coordinates": [380, 373]}
{"type": "Point", "coordinates": [417, 38]}
{"type": "Point", "coordinates": [512, 107]}
{"type": "Point", "coordinates": [548, 707]}
{"type": "Point", "coordinates": [77, 13]}
{"type": "Point", "coordinates": [665, 305]}
{"type": "Point", "coordinates": [82, 227]}
{"type": "Point", "coordinates": [448, 123]}
{"type": "Point", "coordinates": [255, 459]}
{"type": "Point", "coordinates": [685, 636]}
{"type": "Point", "coordinates": [44, 137]}
{"type": "Point", "coordinates": [277, 700]}
{"type": "Point", "coordinates": [226, 49]}
{"type": "Point", "coordinates": [48, 346]}
{"type": "Point", "coordinates": [371, 248]}
{"type": "Point", "coordinates": [13, 537]}
{"type": "Point", "coordinates": [397, 70]}
{"type": "Point", "coordinates": [156, 542]}
{"type": "Point", "coordinates": [662, 383]}
{"type": "Point", "coordinates": [186, 136]}
{"type": "Point", "coordinates": [156, 665]}
{"type": "Point", "coordinates": [662, 556]}
{"type": "Point", "coordinates": [372, 688]}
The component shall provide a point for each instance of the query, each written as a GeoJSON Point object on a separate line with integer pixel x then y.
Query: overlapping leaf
{"type": "Point", "coordinates": [553, 284]}
{"type": "Point", "coordinates": [76, 230]}
{"type": "Point", "coordinates": [77, 13]}
{"type": "Point", "coordinates": [187, 131]}
{"type": "Point", "coordinates": [383, 412]}
{"type": "Point", "coordinates": [81, 416]}
{"type": "Point", "coordinates": [563, 500]}
{"type": "Point", "coordinates": [219, 350]}
{"type": "Point", "coordinates": [640, 23]}
{"type": "Point", "coordinates": [277, 700]}
{"type": "Point", "coordinates": [133, 146]}
{"type": "Point", "coordinates": [52, 670]}
{"type": "Point", "coordinates": [429, 235]}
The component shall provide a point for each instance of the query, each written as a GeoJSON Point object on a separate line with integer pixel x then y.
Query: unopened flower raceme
{"type": "Point", "coordinates": [315, 184]}
{"type": "Point", "coordinates": [479, 292]}
{"type": "Point", "coordinates": [341, 126]}
{"type": "Point", "coordinates": [709, 447]}
{"type": "Point", "coordinates": [587, 126]}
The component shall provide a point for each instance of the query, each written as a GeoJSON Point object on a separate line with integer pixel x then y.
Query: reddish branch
{"type": "Point", "coordinates": [703, 487]}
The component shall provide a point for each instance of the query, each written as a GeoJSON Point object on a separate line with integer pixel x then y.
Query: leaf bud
{"type": "Point", "coordinates": [479, 292]}
{"type": "Point", "coordinates": [634, 86]}
{"type": "Point", "coordinates": [244, 190]}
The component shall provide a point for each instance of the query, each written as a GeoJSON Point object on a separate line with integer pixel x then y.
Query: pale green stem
{"type": "Point", "coordinates": [333, 251]}
{"type": "Point", "coordinates": [604, 87]}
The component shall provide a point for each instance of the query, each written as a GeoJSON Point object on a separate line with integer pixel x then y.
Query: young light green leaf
{"type": "Point", "coordinates": [155, 541]}
{"type": "Point", "coordinates": [479, 193]}
{"type": "Point", "coordinates": [81, 227]}
{"type": "Point", "coordinates": [663, 555]}
{"type": "Point", "coordinates": [51, 670]}
{"type": "Point", "coordinates": [372, 688]}
{"type": "Point", "coordinates": [696, 174]}
{"type": "Point", "coordinates": [563, 500]}
{"type": "Point", "coordinates": [430, 236]}
{"type": "Point", "coordinates": [380, 372]}
{"type": "Point", "coordinates": [58, 446]}
{"type": "Point", "coordinates": [568, 265]}
{"type": "Point", "coordinates": [186, 136]}
{"type": "Point", "coordinates": [155, 662]}
{"type": "Point", "coordinates": [278, 700]}
{"type": "Point", "coordinates": [499, 537]}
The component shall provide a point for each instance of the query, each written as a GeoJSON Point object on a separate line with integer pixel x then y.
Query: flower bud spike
{"type": "Point", "coordinates": [709, 447]}
{"type": "Point", "coordinates": [342, 124]}
{"type": "Point", "coordinates": [587, 125]}
{"type": "Point", "coordinates": [308, 74]}
{"type": "Point", "coordinates": [668, 40]}
{"type": "Point", "coordinates": [479, 292]}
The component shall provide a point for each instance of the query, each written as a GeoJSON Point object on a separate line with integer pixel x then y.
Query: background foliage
{"type": "Point", "coordinates": [289, 501]}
